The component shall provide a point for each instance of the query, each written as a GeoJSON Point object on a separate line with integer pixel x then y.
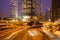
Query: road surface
{"type": "Point", "coordinates": [26, 34]}
{"type": "Point", "coordinates": [29, 34]}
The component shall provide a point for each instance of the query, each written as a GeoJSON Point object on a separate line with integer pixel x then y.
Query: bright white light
{"type": "Point", "coordinates": [13, 20]}
{"type": "Point", "coordinates": [33, 32]}
{"type": "Point", "coordinates": [30, 33]}
{"type": "Point", "coordinates": [26, 17]}
{"type": "Point", "coordinates": [49, 19]}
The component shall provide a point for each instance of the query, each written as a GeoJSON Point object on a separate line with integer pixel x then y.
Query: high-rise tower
{"type": "Point", "coordinates": [31, 8]}
{"type": "Point", "coordinates": [27, 7]}
{"type": "Point", "coordinates": [14, 8]}
{"type": "Point", "coordinates": [55, 9]}
{"type": "Point", "coordinates": [38, 9]}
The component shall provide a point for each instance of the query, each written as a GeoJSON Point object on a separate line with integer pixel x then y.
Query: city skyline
{"type": "Point", "coordinates": [4, 6]}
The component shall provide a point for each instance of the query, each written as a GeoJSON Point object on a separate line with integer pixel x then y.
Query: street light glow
{"type": "Point", "coordinates": [13, 20]}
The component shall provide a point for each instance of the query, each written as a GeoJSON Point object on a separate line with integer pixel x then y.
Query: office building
{"type": "Point", "coordinates": [14, 8]}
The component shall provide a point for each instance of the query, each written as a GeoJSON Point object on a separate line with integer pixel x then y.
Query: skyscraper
{"type": "Point", "coordinates": [31, 8]}
{"type": "Point", "coordinates": [38, 9]}
{"type": "Point", "coordinates": [14, 8]}
{"type": "Point", "coordinates": [27, 7]}
{"type": "Point", "coordinates": [55, 9]}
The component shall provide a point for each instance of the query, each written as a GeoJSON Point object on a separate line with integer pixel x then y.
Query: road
{"type": "Point", "coordinates": [26, 34]}
{"type": "Point", "coordinates": [30, 34]}
{"type": "Point", "coordinates": [8, 33]}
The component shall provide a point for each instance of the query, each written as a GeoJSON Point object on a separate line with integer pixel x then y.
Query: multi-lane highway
{"type": "Point", "coordinates": [30, 34]}
{"type": "Point", "coordinates": [26, 33]}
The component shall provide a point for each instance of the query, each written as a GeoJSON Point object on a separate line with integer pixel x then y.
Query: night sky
{"type": "Point", "coordinates": [4, 6]}
{"type": "Point", "coordinates": [45, 5]}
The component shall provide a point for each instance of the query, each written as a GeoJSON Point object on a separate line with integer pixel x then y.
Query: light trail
{"type": "Point", "coordinates": [14, 33]}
